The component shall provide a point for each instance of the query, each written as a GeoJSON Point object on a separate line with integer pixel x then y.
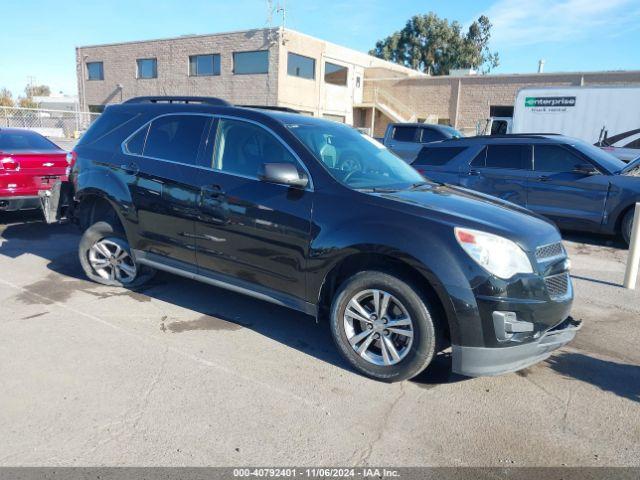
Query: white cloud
{"type": "Point", "coordinates": [522, 22]}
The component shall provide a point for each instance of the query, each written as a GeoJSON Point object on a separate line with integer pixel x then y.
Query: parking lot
{"type": "Point", "coordinates": [181, 373]}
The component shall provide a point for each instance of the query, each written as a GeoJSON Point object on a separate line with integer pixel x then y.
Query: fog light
{"type": "Point", "coordinates": [507, 323]}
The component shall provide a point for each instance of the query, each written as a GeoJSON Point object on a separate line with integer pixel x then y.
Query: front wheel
{"type": "Point", "coordinates": [383, 327]}
{"type": "Point", "coordinates": [106, 258]}
{"type": "Point", "coordinates": [627, 226]}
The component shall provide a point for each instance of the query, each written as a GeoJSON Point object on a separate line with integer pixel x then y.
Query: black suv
{"type": "Point", "coordinates": [258, 201]}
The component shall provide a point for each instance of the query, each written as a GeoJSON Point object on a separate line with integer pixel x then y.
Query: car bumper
{"type": "Point", "coordinates": [10, 204]}
{"type": "Point", "coordinates": [482, 361]}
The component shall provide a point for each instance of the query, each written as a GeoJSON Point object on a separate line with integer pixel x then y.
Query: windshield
{"type": "Point", "coordinates": [355, 159]}
{"type": "Point", "coordinates": [602, 158]}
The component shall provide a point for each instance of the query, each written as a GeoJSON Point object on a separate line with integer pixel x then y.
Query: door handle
{"type": "Point", "coordinates": [212, 191]}
{"type": "Point", "coordinates": [473, 172]}
{"type": "Point", "coordinates": [543, 178]}
{"type": "Point", "coordinates": [131, 168]}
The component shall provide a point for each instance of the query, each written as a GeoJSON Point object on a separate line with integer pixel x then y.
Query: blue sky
{"type": "Point", "coordinates": [570, 35]}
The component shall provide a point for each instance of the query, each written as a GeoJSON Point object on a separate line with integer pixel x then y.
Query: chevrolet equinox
{"type": "Point", "coordinates": [313, 215]}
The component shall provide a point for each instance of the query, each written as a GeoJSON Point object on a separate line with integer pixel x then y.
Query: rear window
{"type": "Point", "coordinates": [405, 134]}
{"type": "Point", "coordinates": [105, 124]}
{"type": "Point", "coordinates": [504, 156]}
{"type": "Point", "coordinates": [437, 156]}
{"type": "Point", "coordinates": [24, 141]}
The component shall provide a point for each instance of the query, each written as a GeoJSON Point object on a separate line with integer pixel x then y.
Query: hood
{"type": "Point", "coordinates": [465, 208]}
{"type": "Point", "coordinates": [633, 168]}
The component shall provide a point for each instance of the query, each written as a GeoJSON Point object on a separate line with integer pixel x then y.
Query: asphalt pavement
{"type": "Point", "coordinates": [181, 373]}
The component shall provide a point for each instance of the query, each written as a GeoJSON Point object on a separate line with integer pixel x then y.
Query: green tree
{"type": "Point", "coordinates": [37, 91]}
{"type": "Point", "coordinates": [6, 98]}
{"type": "Point", "coordinates": [26, 102]}
{"type": "Point", "coordinates": [433, 45]}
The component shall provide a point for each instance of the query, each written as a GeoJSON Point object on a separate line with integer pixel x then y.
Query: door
{"type": "Point", "coordinates": [558, 189]}
{"type": "Point", "coordinates": [500, 170]}
{"type": "Point", "coordinates": [248, 229]}
{"type": "Point", "coordinates": [404, 142]}
{"type": "Point", "coordinates": [156, 166]}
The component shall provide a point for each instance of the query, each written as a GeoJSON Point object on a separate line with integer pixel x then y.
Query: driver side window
{"type": "Point", "coordinates": [553, 158]}
{"type": "Point", "coordinates": [241, 148]}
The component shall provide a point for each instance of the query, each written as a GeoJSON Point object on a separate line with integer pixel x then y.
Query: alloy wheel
{"type": "Point", "coordinates": [378, 327]}
{"type": "Point", "coordinates": [112, 261]}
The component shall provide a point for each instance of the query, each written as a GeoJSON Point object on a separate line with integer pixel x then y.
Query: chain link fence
{"type": "Point", "coordinates": [50, 123]}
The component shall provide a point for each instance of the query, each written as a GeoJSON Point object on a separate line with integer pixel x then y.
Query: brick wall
{"type": "Point", "coordinates": [466, 100]}
{"type": "Point", "coordinates": [173, 69]}
{"type": "Point", "coordinates": [275, 88]}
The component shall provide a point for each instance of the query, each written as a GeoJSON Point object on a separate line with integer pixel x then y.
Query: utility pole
{"type": "Point", "coordinates": [31, 80]}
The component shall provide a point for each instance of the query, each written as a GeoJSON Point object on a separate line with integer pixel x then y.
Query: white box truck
{"type": "Point", "coordinates": [605, 116]}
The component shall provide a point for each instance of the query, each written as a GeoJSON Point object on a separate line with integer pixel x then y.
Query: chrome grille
{"type": "Point", "coordinates": [551, 251]}
{"type": "Point", "coordinates": [557, 285]}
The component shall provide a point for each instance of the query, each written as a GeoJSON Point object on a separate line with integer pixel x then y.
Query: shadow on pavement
{"type": "Point", "coordinates": [619, 378]}
{"type": "Point", "coordinates": [594, 239]}
{"type": "Point", "coordinates": [223, 310]}
{"type": "Point", "coordinates": [218, 309]}
{"type": "Point", "coordinates": [595, 280]}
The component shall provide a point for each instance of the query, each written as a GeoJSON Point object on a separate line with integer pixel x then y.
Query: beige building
{"type": "Point", "coordinates": [463, 101]}
{"type": "Point", "coordinates": [282, 67]}
{"type": "Point", "coordinates": [274, 67]}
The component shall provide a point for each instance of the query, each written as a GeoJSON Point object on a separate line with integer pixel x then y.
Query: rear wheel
{"type": "Point", "coordinates": [383, 326]}
{"type": "Point", "coordinates": [627, 225]}
{"type": "Point", "coordinates": [106, 257]}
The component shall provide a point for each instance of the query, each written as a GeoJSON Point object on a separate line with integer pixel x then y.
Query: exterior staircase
{"type": "Point", "coordinates": [388, 105]}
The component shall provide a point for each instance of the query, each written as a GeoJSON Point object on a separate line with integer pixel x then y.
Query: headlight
{"type": "Point", "coordinates": [497, 255]}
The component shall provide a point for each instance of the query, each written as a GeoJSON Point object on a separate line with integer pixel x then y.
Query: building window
{"type": "Point", "coordinates": [95, 71]}
{"type": "Point", "coordinates": [301, 66]}
{"type": "Point", "coordinates": [204, 65]}
{"type": "Point", "coordinates": [335, 74]}
{"type": "Point", "coordinates": [251, 62]}
{"type": "Point", "coordinates": [147, 68]}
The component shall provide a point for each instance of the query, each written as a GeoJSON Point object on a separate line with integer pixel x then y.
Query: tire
{"type": "Point", "coordinates": [414, 351]}
{"type": "Point", "coordinates": [627, 224]}
{"type": "Point", "coordinates": [125, 272]}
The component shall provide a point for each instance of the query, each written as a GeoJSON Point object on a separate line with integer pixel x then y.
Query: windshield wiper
{"type": "Point", "coordinates": [418, 185]}
{"type": "Point", "coordinates": [378, 189]}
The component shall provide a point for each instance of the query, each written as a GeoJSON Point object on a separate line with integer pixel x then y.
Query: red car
{"type": "Point", "coordinates": [28, 163]}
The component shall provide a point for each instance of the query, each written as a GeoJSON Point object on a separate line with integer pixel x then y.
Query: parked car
{"type": "Point", "coordinates": [406, 139]}
{"type": "Point", "coordinates": [28, 163]}
{"type": "Point", "coordinates": [577, 185]}
{"type": "Point", "coordinates": [248, 200]}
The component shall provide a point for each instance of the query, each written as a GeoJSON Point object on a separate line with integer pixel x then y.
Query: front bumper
{"type": "Point", "coordinates": [480, 361]}
{"type": "Point", "coordinates": [11, 204]}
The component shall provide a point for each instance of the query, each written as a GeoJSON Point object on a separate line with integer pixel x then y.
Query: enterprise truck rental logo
{"type": "Point", "coordinates": [549, 104]}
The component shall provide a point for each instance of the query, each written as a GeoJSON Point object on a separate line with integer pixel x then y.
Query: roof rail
{"type": "Point", "coordinates": [271, 107]}
{"type": "Point", "coordinates": [516, 135]}
{"type": "Point", "coordinates": [171, 99]}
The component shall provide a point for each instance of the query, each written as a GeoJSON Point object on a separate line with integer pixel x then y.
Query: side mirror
{"type": "Point", "coordinates": [585, 169]}
{"type": "Point", "coordinates": [283, 174]}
